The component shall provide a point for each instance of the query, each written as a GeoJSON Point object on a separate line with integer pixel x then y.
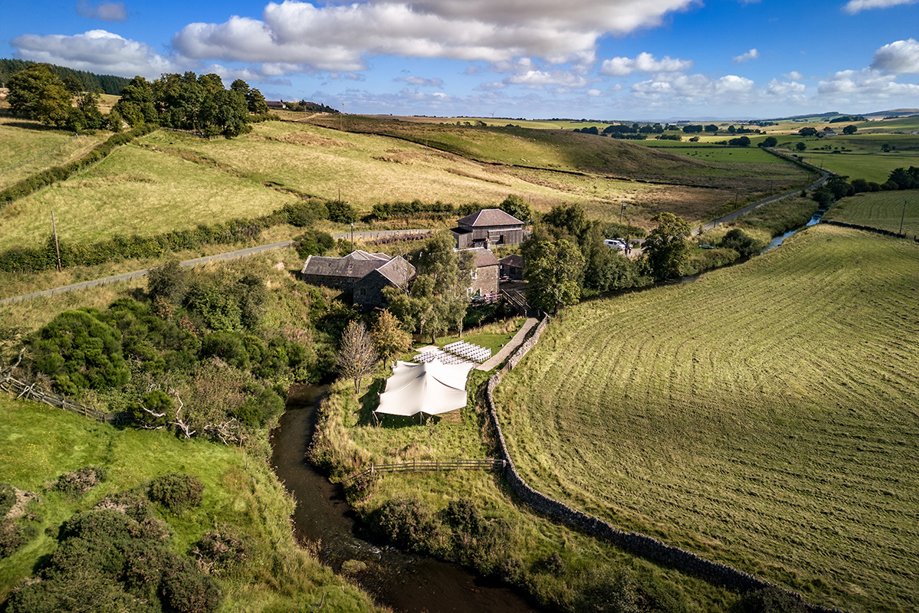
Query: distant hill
{"type": "Point", "coordinates": [109, 84]}
{"type": "Point", "coordinates": [894, 113]}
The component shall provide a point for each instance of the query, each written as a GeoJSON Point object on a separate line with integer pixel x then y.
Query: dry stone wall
{"type": "Point", "coordinates": [640, 544]}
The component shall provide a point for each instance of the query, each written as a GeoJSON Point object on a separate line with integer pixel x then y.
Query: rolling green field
{"type": "Point", "coordinates": [39, 443]}
{"type": "Point", "coordinates": [764, 416]}
{"type": "Point", "coordinates": [884, 210]}
{"type": "Point", "coordinates": [874, 167]}
{"type": "Point", "coordinates": [27, 147]}
{"type": "Point", "coordinates": [136, 191]}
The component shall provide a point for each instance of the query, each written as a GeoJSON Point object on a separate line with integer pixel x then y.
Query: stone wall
{"type": "Point", "coordinates": [639, 544]}
{"type": "Point", "coordinates": [843, 224]}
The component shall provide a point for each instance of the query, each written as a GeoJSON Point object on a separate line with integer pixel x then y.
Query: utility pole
{"type": "Point", "coordinates": [621, 210]}
{"type": "Point", "coordinates": [57, 247]}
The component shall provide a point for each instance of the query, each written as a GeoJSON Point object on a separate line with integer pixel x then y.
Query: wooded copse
{"type": "Point", "coordinates": [183, 102]}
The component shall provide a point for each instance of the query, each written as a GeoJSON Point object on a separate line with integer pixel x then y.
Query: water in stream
{"type": "Point", "coordinates": [406, 583]}
{"type": "Point", "coordinates": [778, 240]}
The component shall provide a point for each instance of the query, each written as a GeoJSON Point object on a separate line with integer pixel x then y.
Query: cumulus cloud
{"type": "Point", "coordinates": [752, 54]}
{"type": "Point", "coordinates": [866, 83]}
{"type": "Point", "coordinates": [420, 82]}
{"type": "Point", "coordinates": [106, 11]}
{"type": "Point", "coordinates": [95, 51]}
{"type": "Point", "coordinates": [644, 62]}
{"type": "Point", "coordinates": [539, 78]}
{"type": "Point", "coordinates": [338, 37]}
{"type": "Point", "coordinates": [695, 88]}
{"type": "Point", "coordinates": [856, 6]}
{"type": "Point", "coordinates": [900, 57]}
{"type": "Point", "coordinates": [794, 75]}
{"type": "Point", "coordinates": [785, 89]}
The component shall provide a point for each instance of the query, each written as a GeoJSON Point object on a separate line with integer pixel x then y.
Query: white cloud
{"type": "Point", "coordinates": [855, 6]}
{"type": "Point", "coordinates": [438, 83]}
{"type": "Point", "coordinates": [752, 54]}
{"type": "Point", "coordinates": [866, 84]}
{"type": "Point", "coordinates": [794, 75]}
{"type": "Point", "coordinates": [339, 36]}
{"type": "Point", "coordinates": [695, 88]}
{"type": "Point", "coordinates": [594, 92]}
{"type": "Point", "coordinates": [784, 89]}
{"type": "Point", "coordinates": [106, 11]}
{"type": "Point", "coordinates": [900, 57]}
{"type": "Point", "coordinates": [644, 62]}
{"type": "Point", "coordinates": [539, 79]}
{"type": "Point", "coordinates": [95, 51]}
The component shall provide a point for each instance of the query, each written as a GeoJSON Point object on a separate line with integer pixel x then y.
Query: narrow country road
{"type": "Point", "coordinates": [232, 255]}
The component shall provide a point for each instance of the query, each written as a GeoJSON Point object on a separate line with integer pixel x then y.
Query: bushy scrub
{"type": "Point", "coordinates": [411, 525]}
{"type": "Point", "coordinates": [7, 498]}
{"type": "Point", "coordinates": [177, 492]}
{"type": "Point", "coordinates": [741, 242]}
{"type": "Point", "coordinates": [80, 481]}
{"type": "Point", "coordinates": [108, 561]}
{"type": "Point", "coordinates": [219, 550]}
{"type": "Point", "coordinates": [79, 351]}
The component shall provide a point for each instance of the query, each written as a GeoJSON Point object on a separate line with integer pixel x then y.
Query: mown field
{"type": "Point", "coordinates": [884, 210]}
{"type": "Point", "coordinates": [874, 167]}
{"type": "Point", "coordinates": [764, 416]}
{"type": "Point", "coordinates": [39, 443]}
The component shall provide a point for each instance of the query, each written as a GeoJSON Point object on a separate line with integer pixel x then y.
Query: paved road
{"type": "Point", "coordinates": [756, 205]}
{"type": "Point", "coordinates": [232, 255]}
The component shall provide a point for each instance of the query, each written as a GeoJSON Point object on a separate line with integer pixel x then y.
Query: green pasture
{"type": "Point", "coordinates": [28, 147]}
{"type": "Point", "coordinates": [136, 191]}
{"type": "Point", "coordinates": [39, 443]}
{"type": "Point", "coordinates": [718, 153]}
{"type": "Point", "coordinates": [884, 210]}
{"type": "Point", "coordinates": [764, 416]}
{"type": "Point", "coordinates": [874, 167]}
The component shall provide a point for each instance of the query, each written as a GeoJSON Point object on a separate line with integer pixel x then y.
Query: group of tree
{"type": "Point", "coordinates": [361, 349]}
{"type": "Point", "coordinates": [190, 102]}
{"type": "Point", "coordinates": [838, 187]}
{"type": "Point", "coordinates": [184, 102]}
{"type": "Point", "coordinates": [438, 299]}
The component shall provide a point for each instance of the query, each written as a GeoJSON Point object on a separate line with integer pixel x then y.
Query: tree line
{"type": "Point", "coordinates": [88, 81]}
{"type": "Point", "coordinates": [184, 102]}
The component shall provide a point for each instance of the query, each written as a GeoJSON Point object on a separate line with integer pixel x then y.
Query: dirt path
{"type": "Point", "coordinates": [509, 347]}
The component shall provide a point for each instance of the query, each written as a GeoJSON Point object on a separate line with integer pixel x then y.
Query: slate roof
{"type": "Point", "coordinates": [358, 264]}
{"type": "Point", "coordinates": [512, 260]}
{"type": "Point", "coordinates": [489, 217]}
{"type": "Point", "coordinates": [484, 257]}
{"type": "Point", "coordinates": [355, 265]}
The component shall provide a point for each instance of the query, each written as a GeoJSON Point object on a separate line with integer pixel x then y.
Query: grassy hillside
{"type": "Point", "coordinates": [27, 147]}
{"type": "Point", "coordinates": [137, 191]}
{"type": "Point", "coordinates": [883, 210]}
{"type": "Point", "coordinates": [39, 443]}
{"type": "Point", "coordinates": [763, 416]}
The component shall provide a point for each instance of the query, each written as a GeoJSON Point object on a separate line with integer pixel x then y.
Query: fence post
{"type": "Point", "coordinates": [371, 469]}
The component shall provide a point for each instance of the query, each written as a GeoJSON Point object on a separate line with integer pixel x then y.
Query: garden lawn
{"type": "Point", "coordinates": [764, 416]}
{"type": "Point", "coordinates": [882, 210]}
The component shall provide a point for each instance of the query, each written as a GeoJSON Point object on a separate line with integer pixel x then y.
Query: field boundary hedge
{"type": "Point", "coordinates": [853, 226]}
{"type": "Point", "coordinates": [640, 544]}
{"type": "Point", "coordinates": [51, 175]}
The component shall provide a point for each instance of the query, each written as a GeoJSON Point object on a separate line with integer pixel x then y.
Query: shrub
{"type": "Point", "coordinates": [80, 481]}
{"type": "Point", "coordinates": [168, 282]}
{"type": "Point", "coordinates": [411, 525]}
{"type": "Point", "coordinates": [221, 549]}
{"type": "Point", "coordinates": [464, 516]}
{"type": "Point", "coordinates": [13, 536]}
{"type": "Point", "coordinates": [188, 590]}
{"type": "Point", "coordinates": [741, 242]}
{"type": "Point", "coordinates": [313, 242]}
{"type": "Point", "coordinates": [177, 492]}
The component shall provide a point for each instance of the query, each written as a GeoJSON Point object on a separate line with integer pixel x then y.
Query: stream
{"type": "Point", "coordinates": [778, 240]}
{"type": "Point", "coordinates": [404, 582]}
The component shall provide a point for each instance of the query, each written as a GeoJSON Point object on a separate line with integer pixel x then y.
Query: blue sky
{"type": "Point", "coordinates": [597, 59]}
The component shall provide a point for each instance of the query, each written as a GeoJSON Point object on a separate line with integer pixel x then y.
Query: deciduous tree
{"type": "Point", "coordinates": [554, 272]}
{"type": "Point", "coordinates": [357, 355]}
{"type": "Point", "coordinates": [666, 248]}
{"type": "Point", "coordinates": [389, 337]}
{"type": "Point", "coordinates": [37, 93]}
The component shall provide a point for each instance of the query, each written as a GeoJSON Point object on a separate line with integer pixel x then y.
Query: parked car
{"type": "Point", "coordinates": [615, 243]}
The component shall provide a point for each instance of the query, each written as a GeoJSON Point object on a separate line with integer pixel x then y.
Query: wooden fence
{"type": "Point", "coordinates": [426, 465]}
{"type": "Point", "coordinates": [30, 391]}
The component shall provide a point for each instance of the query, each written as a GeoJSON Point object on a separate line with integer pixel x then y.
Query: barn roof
{"type": "Point", "coordinates": [489, 217]}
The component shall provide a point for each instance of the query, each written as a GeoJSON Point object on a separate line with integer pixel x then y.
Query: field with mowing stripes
{"type": "Point", "coordinates": [883, 210]}
{"type": "Point", "coordinates": [765, 416]}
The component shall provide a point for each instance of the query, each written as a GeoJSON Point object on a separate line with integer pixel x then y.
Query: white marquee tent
{"type": "Point", "coordinates": [431, 388]}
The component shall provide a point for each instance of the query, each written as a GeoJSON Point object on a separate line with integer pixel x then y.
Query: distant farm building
{"type": "Point", "coordinates": [363, 274]}
{"type": "Point", "coordinates": [276, 105]}
{"type": "Point", "coordinates": [489, 228]}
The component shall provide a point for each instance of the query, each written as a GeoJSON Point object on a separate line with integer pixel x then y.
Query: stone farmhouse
{"type": "Point", "coordinates": [362, 274]}
{"type": "Point", "coordinates": [489, 228]}
{"type": "Point", "coordinates": [485, 275]}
